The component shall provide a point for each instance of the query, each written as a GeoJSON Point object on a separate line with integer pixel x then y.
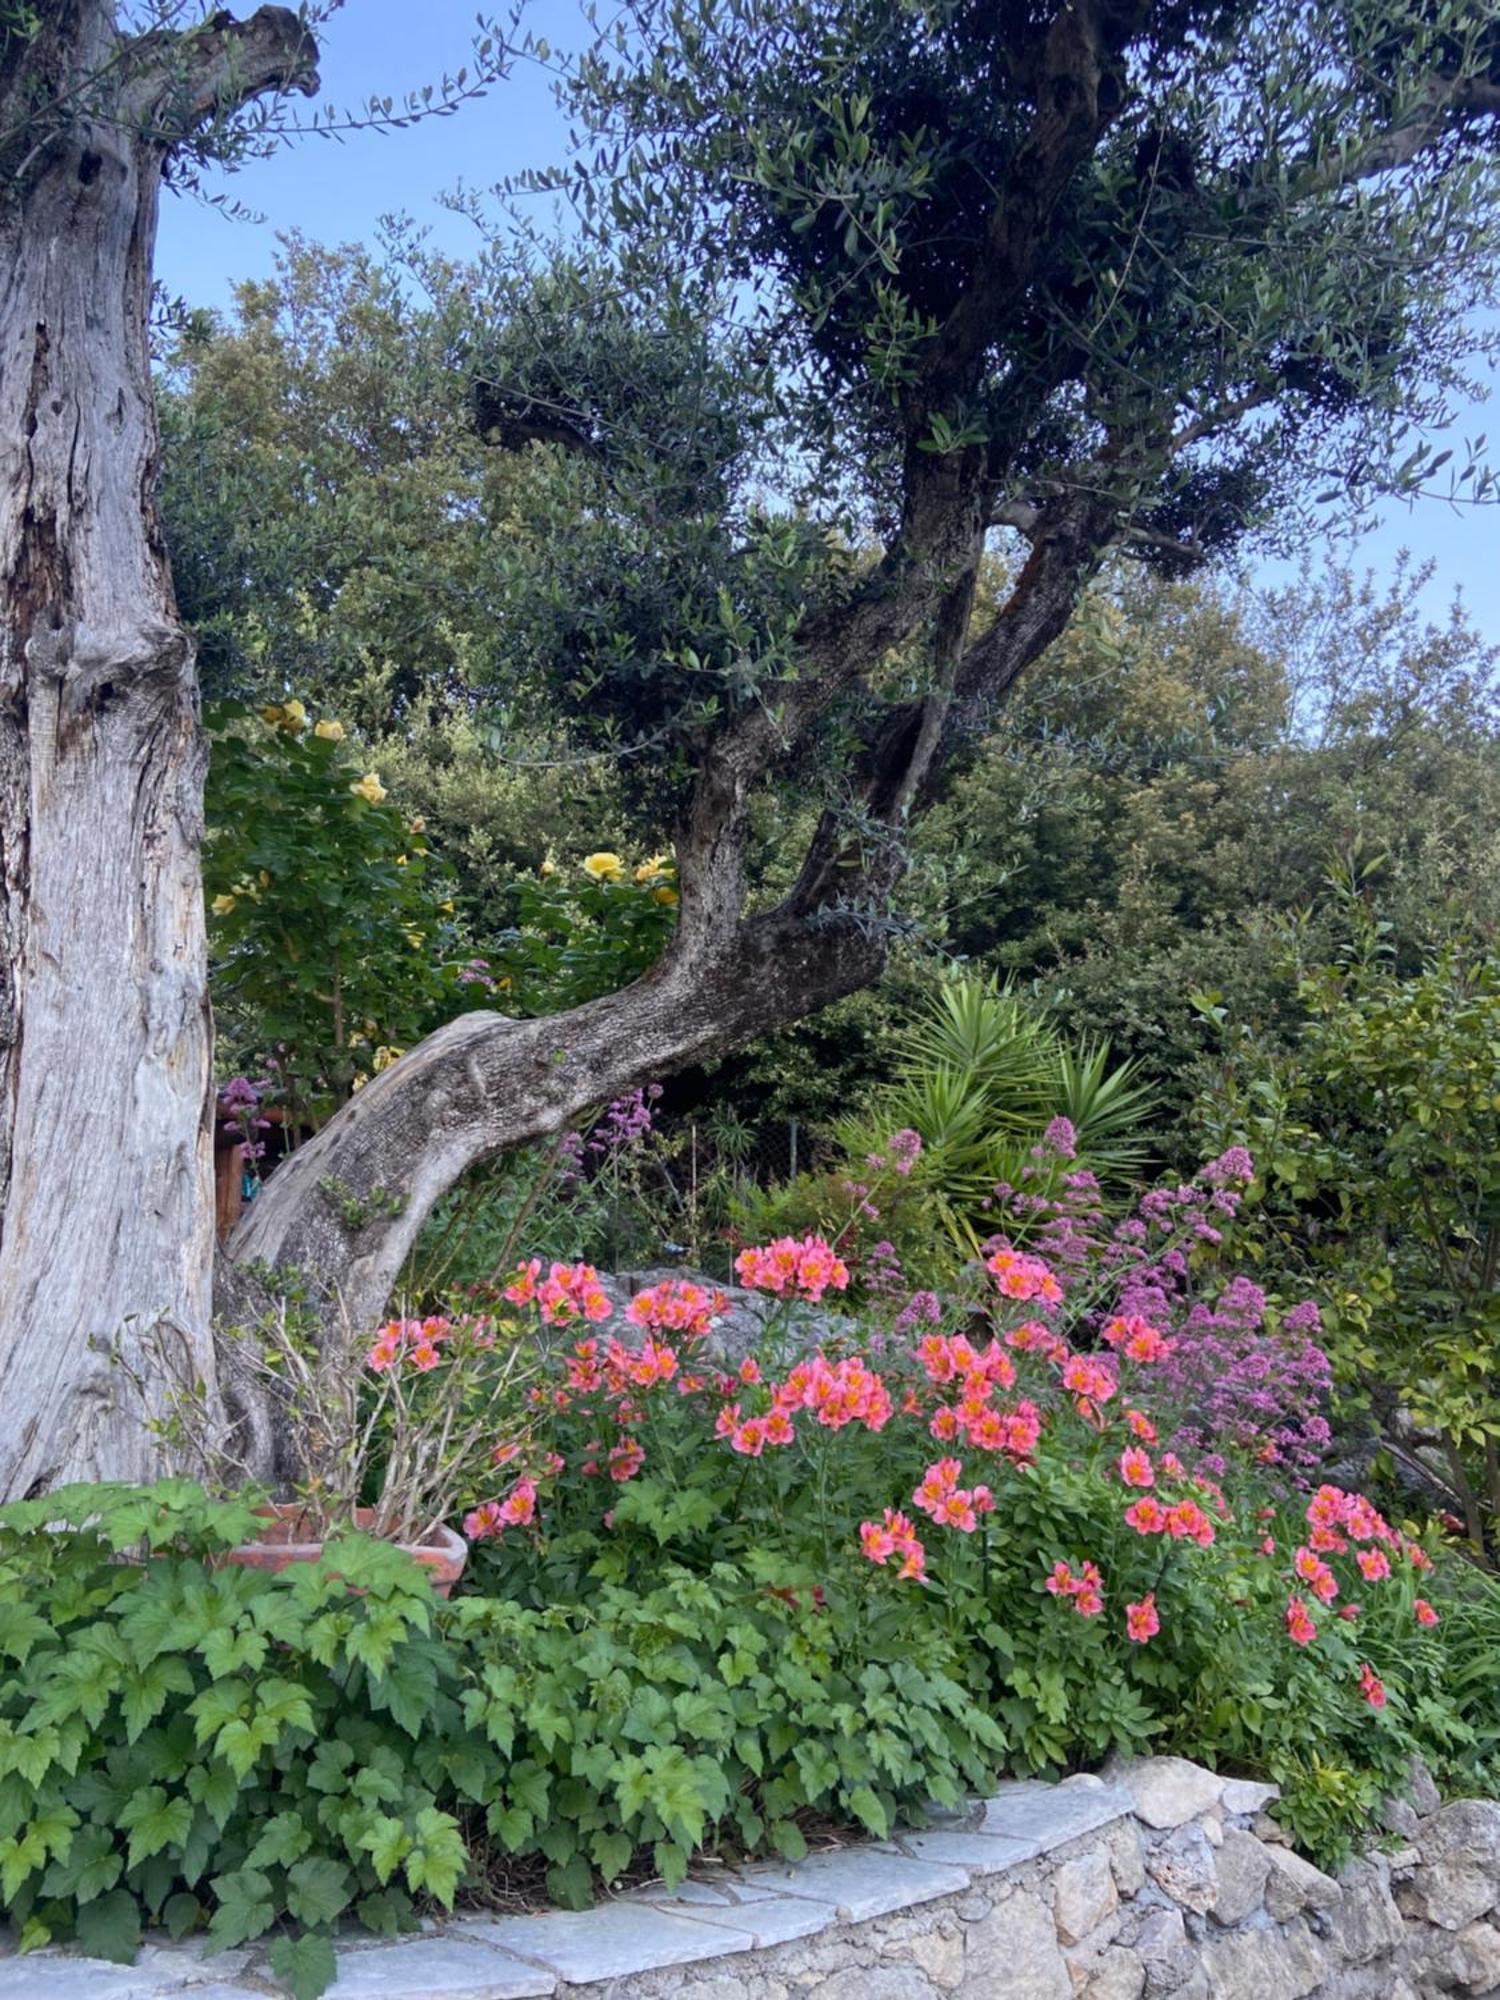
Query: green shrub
{"type": "Point", "coordinates": [193, 1744]}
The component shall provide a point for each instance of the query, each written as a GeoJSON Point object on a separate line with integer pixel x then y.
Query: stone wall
{"type": "Point", "coordinates": [1158, 1881]}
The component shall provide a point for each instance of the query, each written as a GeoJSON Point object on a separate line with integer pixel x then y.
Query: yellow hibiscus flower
{"type": "Point", "coordinates": [329, 730]}
{"type": "Point", "coordinates": [369, 787]}
{"type": "Point", "coordinates": [604, 867]}
{"type": "Point", "coordinates": [658, 865]}
{"type": "Point", "coordinates": [222, 905]}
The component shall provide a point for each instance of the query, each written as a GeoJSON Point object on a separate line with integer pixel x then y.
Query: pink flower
{"type": "Point", "coordinates": [1141, 1620]}
{"type": "Point", "coordinates": [625, 1461]}
{"type": "Point", "coordinates": [1371, 1686]}
{"type": "Point", "coordinates": [1300, 1628]}
{"type": "Point", "coordinates": [1423, 1612]}
{"type": "Point", "coordinates": [1135, 1467]}
{"type": "Point", "coordinates": [1373, 1564]}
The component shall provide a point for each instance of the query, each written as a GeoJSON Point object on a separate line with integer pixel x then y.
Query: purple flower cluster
{"type": "Point", "coordinates": [881, 1270]}
{"type": "Point", "coordinates": [238, 1103]}
{"type": "Point", "coordinates": [625, 1124]}
{"type": "Point", "coordinates": [1244, 1381]}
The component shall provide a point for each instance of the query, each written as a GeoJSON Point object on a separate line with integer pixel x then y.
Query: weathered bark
{"type": "Point", "coordinates": [106, 1199]}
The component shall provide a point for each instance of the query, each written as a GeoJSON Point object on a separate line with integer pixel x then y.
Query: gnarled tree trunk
{"type": "Point", "coordinates": [106, 1201]}
{"type": "Point", "coordinates": [346, 1208]}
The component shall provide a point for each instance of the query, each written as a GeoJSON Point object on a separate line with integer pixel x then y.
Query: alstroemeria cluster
{"type": "Point", "coordinates": [804, 1269]}
{"type": "Point", "coordinates": [569, 1291]}
{"type": "Point", "coordinates": [418, 1344]}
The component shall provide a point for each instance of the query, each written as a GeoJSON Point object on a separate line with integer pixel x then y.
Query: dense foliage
{"type": "Point", "coordinates": [860, 1563]}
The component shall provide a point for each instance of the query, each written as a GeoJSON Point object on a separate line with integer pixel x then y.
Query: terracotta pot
{"type": "Point", "coordinates": [442, 1555]}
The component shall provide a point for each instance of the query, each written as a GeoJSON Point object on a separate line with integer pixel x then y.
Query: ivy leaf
{"type": "Point", "coordinates": [144, 1691]}
{"type": "Point", "coordinates": [611, 1852]}
{"type": "Point", "coordinates": [245, 1908]}
{"type": "Point", "coordinates": [317, 1889]}
{"type": "Point", "coordinates": [305, 1965]}
{"type": "Point", "coordinates": [284, 1839]}
{"type": "Point", "coordinates": [214, 1787]}
{"type": "Point", "coordinates": [154, 1822]}
{"type": "Point", "coordinates": [110, 1927]}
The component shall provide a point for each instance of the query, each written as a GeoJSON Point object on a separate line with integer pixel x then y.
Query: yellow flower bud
{"type": "Point", "coordinates": [293, 717]}
{"type": "Point", "coordinates": [664, 895]}
{"type": "Point", "coordinates": [604, 867]}
{"type": "Point", "coordinates": [548, 867]}
{"type": "Point", "coordinates": [383, 1057]}
{"type": "Point", "coordinates": [369, 787]}
{"type": "Point", "coordinates": [329, 730]}
{"type": "Point", "coordinates": [400, 860]}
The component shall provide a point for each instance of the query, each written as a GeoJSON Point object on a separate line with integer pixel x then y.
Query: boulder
{"type": "Point", "coordinates": [1243, 1867]}
{"type": "Point", "coordinates": [1166, 1791]}
{"type": "Point", "coordinates": [1185, 1867]}
{"type": "Point", "coordinates": [1084, 1894]}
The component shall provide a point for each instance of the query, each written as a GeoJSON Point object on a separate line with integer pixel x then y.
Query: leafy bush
{"type": "Point", "coordinates": [208, 1746]}
{"type": "Point", "coordinates": [332, 925]}
{"type": "Point", "coordinates": [1380, 1138]}
{"type": "Point", "coordinates": [192, 1744]}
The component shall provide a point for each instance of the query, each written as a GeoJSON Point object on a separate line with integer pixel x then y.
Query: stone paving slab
{"type": "Point", "coordinates": [774, 1920]}
{"type": "Point", "coordinates": [861, 1882]}
{"type": "Point", "coordinates": [34, 1978]}
{"type": "Point", "coordinates": [981, 1853]}
{"type": "Point", "coordinates": [1045, 1816]}
{"type": "Point", "coordinates": [436, 1969]}
{"type": "Point", "coordinates": [605, 1943]}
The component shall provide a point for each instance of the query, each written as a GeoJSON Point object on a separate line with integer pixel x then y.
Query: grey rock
{"type": "Point", "coordinates": [438, 1969]}
{"type": "Point", "coordinates": [73, 1978]}
{"type": "Point", "coordinates": [973, 1909]}
{"type": "Point", "coordinates": [1398, 1817]}
{"type": "Point", "coordinates": [861, 1882]}
{"type": "Point", "coordinates": [1476, 1952]}
{"type": "Point", "coordinates": [1293, 1884]}
{"type": "Point", "coordinates": [1449, 1893]}
{"type": "Point", "coordinates": [607, 1942]}
{"type": "Point", "coordinates": [883, 1982]}
{"type": "Point", "coordinates": [1046, 1816]}
{"type": "Point", "coordinates": [1422, 1789]}
{"type": "Point", "coordinates": [1164, 1949]}
{"type": "Point", "coordinates": [1185, 1867]}
{"type": "Point", "coordinates": [1212, 1823]}
{"type": "Point", "coordinates": [1084, 1894]}
{"type": "Point", "coordinates": [1269, 1830]}
{"type": "Point", "coordinates": [940, 1955]}
{"type": "Point", "coordinates": [1119, 1974]}
{"type": "Point", "coordinates": [1122, 1844]}
{"type": "Point", "coordinates": [1367, 1924]}
{"type": "Point", "coordinates": [1467, 1831]}
{"type": "Point", "coordinates": [1013, 1954]}
{"type": "Point", "coordinates": [1166, 1791]}
{"type": "Point", "coordinates": [1243, 1867]}
{"type": "Point", "coordinates": [1247, 1795]}
{"type": "Point", "coordinates": [1252, 1964]}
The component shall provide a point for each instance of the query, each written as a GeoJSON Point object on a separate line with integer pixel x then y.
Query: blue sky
{"type": "Point", "coordinates": [336, 193]}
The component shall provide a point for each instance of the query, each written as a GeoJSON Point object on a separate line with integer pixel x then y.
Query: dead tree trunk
{"type": "Point", "coordinates": [106, 1198]}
